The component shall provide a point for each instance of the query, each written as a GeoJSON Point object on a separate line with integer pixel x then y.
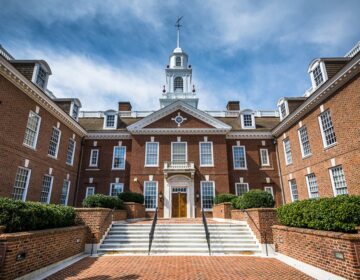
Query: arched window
{"type": "Point", "coordinates": [178, 84]}
{"type": "Point", "coordinates": [178, 61]}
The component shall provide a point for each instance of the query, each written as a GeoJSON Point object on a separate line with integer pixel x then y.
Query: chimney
{"type": "Point", "coordinates": [233, 106]}
{"type": "Point", "coordinates": [124, 106]}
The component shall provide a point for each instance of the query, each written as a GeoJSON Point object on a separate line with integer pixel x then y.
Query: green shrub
{"type": "Point", "coordinates": [132, 197]}
{"type": "Point", "coordinates": [341, 213]}
{"type": "Point", "coordinates": [103, 201]}
{"type": "Point", "coordinates": [224, 197]}
{"type": "Point", "coordinates": [18, 215]}
{"type": "Point", "coordinates": [254, 199]}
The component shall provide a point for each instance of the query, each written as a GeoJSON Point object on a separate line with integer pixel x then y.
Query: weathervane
{"type": "Point", "coordinates": [178, 25]}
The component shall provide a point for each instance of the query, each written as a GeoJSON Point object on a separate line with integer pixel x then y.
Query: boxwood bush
{"type": "Point", "coordinates": [254, 199]}
{"type": "Point", "coordinates": [341, 213]}
{"type": "Point", "coordinates": [18, 215]}
{"type": "Point", "coordinates": [132, 197]}
{"type": "Point", "coordinates": [224, 197]}
{"type": "Point", "coordinates": [104, 201]}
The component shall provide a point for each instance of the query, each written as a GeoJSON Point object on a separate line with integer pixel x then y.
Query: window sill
{"type": "Point", "coordinates": [150, 210]}
{"type": "Point", "coordinates": [92, 169]}
{"type": "Point", "coordinates": [330, 146]}
{"type": "Point", "coordinates": [288, 164]}
{"type": "Point", "coordinates": [70, 164]}
{"type": "Point", "coordinates": [117, 169]}
{"type": "Point", "coordinates": [53, 157]}
{"type": "Point", "coordinates": [240, 168]}
{"type": "Point", "coordinates": [266, 168]}
{"type": "Point", "coordinates": [307, 156]}
{"type": "Point", "coordinates": [151, 165]}
{"type": "Point", "coordinates": [208, 210]}
{"type": "Point", "coordinates": [29, 147]}
{"type": "Point", "coordinates": [206, 166]}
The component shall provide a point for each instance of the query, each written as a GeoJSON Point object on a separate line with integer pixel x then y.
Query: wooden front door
{"type": "Point", "coordinates": [179, 205]}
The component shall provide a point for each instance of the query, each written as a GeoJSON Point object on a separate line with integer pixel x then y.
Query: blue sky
{"type": "Point", "coordinates": [108, 51]}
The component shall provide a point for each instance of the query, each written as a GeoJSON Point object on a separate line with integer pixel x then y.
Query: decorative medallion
{"type": "Point", "coordinates": [179, 119]}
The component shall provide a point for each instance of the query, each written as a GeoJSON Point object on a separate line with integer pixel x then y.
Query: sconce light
{"type": "Point", "coordinates": [135, 179]}
{"type": "Point", "coordinates": [197, 196]}
{"type": "Point", "coordinates": [161, 196]}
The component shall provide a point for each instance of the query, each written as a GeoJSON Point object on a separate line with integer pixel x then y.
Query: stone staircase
{"type": "Point", "coordinates": [180, 239]}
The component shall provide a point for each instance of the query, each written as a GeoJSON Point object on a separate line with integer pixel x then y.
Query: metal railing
{"type": "Point", "coordinates": [152, 231]}
{"type": "Point", "coordinates": [207, 232]}
{"type": "Point", "coordinates": [261, 233]}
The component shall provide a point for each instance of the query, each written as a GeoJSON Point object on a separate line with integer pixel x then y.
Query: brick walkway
{"type": "Point", "coordinates": [178, 267]}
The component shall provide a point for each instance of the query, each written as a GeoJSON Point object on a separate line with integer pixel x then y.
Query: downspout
{"type": "Point", "coordinates": [279, 170]}
{"type": "Point", "coordinates": [78, 170]}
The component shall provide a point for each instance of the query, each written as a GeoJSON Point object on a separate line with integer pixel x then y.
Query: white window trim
{"type": "Point", "coordinates": [27, 182]}
{"type": "Point", "coordinates": [212, 154]}
{"type": "Point", "coordinates": [68, 191]}
{"type": "Point", "coordinates": [58, 144]}
{"type": "Point", "coordinates": [332, 179]}
{"type": "Point", "coordinates": [105, 121]}
{"type": "Point", "coordinates": [72, 110]}
{"type": "Point", "coordinates": [37, 132]}
{"type": "Point", "coordinates": [35, 75]}
{"type": "Point", "coordinates": [156, 197]}
{"type": "Point", "coordinates": [50, 189]}
{"type": "Point", "coordinates": [157, 159]}
{"type": "Point", "coordinates": [233, 154]}
{"type": "Point", "coordinates": [113, 159]}
{"type": "Point", "coordinates": [238, 183]}
{"type": "Point", "coordinates": [286, 109]}
{"type": "Point", "coordinates": [91, 156]}
{"type": "Point", "coordinates": [252, 121]}
{"type": "Point", "coordinates": [301, 144]}
{"type": "Point", "coordinates": [87, 191]}
{"type": "Point", "coordinates": [73, 153]}
{"type": "Point", "coordinates": [111, 185]}
{"type": "Point", "coordinates": [308, 185]}
{"type": "Point", "coordinates": [186, 150]}
{"type": "Point", "coordinates": [322, 132]}
{"type": "Point", "coordinates": [291, 193]}
{"type": "Point", "coordinates": [285, 155]}
{"type": "Point", "coordinates": [201, 191]}
{"type": "Point", "coordinates": [267, 156]}
{"type": "Point", "coordinates": [271, 190]}
{"type": "Point", "coordinates": [323, 72]}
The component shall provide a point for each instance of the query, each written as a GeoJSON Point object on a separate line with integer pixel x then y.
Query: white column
{"type": "Point", "coordinates": [167, 202]}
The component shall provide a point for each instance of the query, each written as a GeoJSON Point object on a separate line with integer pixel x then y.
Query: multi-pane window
{"type": "Point", "coordinates": [283, 111]}
{"type": "Point", "coordinates": [304, 142]}
{"type": "Point", "coordinates": [206, 154]}
{"type": "Point", "coordinates": [90, 191]}
{"type": "Point", "coordinates": [32, 130]}
{"type": "Point", "coordinates": [338, 180]}
{"type": "Point", "coordinates": [317, 74]}
{"type": "Point", "coordinates": [239, 157]}
{"type": "Point", "coordinates": [75, 111]}
{"type": "Point", "coordinates": [178, 84]}
{"type": "Point", "coordinates": [116, 188]}
{"type": "Point", "coordinates": [94, 157]}
{"type": "Point", "coordinates": [264, 156]}
{"type": "Point", "coordinates": [21, 184]}
{"type": "Point", "coordinates": [178, 152]}
{"type": "Point", "coordinates": [287, 150]}
{"type": "Point", "coordinates": [46, 188]}
{"type": "Point", "coordinates": [293, 190]}
{"type": "Point", "coordinates": [70, 152]}
{"type": "Point", "coordinates": [327, 129]}
{"type": "Point", "coordinates": [54, 142]}
{"type": "Point", "coordinates": [312, 185]}
{"type": "Point", "coordinates": [150, 194]}
{"type": "Point", "coordinates": [41, 78]}
{"type": "Point", "coordinates": [110, 121]}
{"type": "Point", "coordinates": [207, 194]}
{"type": "Point", "coordinates": [178, 61]}
{"type": "Point", "coordinates": [270, 190]}
{"type": "Point", "coordinates": [65, 192]}
{"type": "Point", "coordinates": [241, 188]}
{"type": "Point", "coordinates": [119, 157]}
{"type": "Point", "coordinates": [152, 154]}
{"type": "Point", "coordinates": [247, 121]}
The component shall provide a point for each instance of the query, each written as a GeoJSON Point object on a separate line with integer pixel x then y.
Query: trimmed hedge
{"type": "Point", "coordinates": [103, 201]}
{"type": "Point", "coordinates": [132, 197]}
{"type": "Point", "coordinates": [224, 197]}
{"type": "Point", "coordinates": [254, 199]}
{"type": "Point", "coordinates": [341, 213]}
{"type": "Point", "coordinates": [18, 215]}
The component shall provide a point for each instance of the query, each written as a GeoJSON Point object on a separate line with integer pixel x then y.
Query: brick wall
{"type": "Point", "coordinates": [318, 248]}
{"type": "Point", "coordinates": [41, 248]}
{"type": "Point", "coordinates": [134, 210]}
{"type": "Point", "coordinates": [261, 221]}
{"type": "Point", "coordinates": [15, 107]}
{"type": "Point", "coordinates": [345, 114]}
{"type": "Point", "coordinates": [222, 210]}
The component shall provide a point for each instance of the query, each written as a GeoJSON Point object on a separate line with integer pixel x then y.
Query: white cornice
{"type": "Point", "coordinates": [108, 135]}
{"type": "Point", "coordinates": [321, 94]}
{"type": "Point", "coordinates": [28, 88]}
{"type": "Point", "coordinates": [139, 126]}
{"type": "Point", "coordinates": [249, 135]}
{"type": "Point", "coordinates": [179, 131]}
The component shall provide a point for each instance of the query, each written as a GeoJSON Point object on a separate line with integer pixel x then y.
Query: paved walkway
{"type": "Point", "coordinates": [179, 267]}
{"type": "Point", "coordinates": [177, 221]}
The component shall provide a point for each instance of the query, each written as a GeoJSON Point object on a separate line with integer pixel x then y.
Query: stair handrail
{"type": "Point", "coordinates": [152, 230]}
{"type": "Point", "coordinates": [261, 232]}
{"type": "Point", "coordinates": [207, 233]}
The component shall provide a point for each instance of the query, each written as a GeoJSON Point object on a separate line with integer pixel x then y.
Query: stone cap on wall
{"type": "Point", "coordinates": [256, 209]}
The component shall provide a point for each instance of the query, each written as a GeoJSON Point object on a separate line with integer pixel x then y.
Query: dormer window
{"type": "Point", "coordinates": [318, 77]}
{"type": "Point", "coordinates": [178, 84]}
{"type": "Point", "coordinates": [317, 73]}
{"type": "Point", "coordinates": [178, 61]}
{"type": "Point", "coordinates": [110, 120]}
{"type": "Point", "coordinates": [41, 78]}
{"type": "Point", "coordinates": [75, 111]}
{"type": "Point", "coordinates": [247, 120]}
{"type": "Point", "coordinates": [283, 108]}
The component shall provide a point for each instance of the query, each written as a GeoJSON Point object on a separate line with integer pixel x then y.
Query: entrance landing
{"type": "Point", "coordinates": [162, 221]}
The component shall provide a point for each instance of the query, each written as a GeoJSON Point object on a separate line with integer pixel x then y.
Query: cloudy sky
{"type": "Point", "coordinates": [108, 51]}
